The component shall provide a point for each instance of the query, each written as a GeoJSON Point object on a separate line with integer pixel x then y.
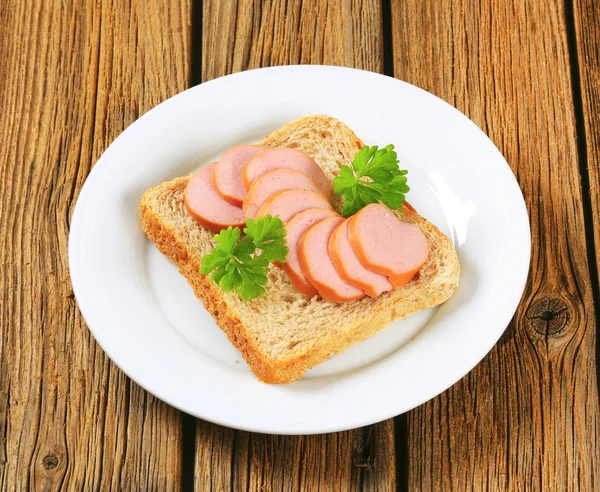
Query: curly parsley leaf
{"type": "Point", "coordinates": [234, 262]}
{"type": "Point", "coordinates": [268, 234]}
{"type": "Point", "coordinates": [374, 177]}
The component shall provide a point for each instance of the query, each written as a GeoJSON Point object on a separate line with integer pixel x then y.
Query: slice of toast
{"type": "Point", "coordinates": [284, 333]}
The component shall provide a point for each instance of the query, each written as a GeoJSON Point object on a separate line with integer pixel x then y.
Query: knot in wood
{"type": "Point", "coordinates": [50, 462]}
{"type": "Point", "coordinates": [548, 316]}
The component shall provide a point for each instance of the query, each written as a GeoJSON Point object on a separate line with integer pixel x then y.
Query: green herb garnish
{"type": "Point", "coordinates": [385, 182]}
{"type": "Point", "coordinates": [268, 234]}
{"type": "Point", "coordinates": [234, 261]}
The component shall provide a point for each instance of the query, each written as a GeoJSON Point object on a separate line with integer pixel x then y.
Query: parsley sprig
{"type": "Point", "coordinates": [268, 234]}
{"type": "Point", "coordinates": [234, 261]}
{"type": "Point", "coordinates": [385, 182]}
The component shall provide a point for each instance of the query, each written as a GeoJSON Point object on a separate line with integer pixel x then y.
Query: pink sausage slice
{"type": "Point", "coordinates": [272, 182]}
{"type": "Point", "coordinates": [287, 204]}
{"type": "Point", "coordinates": [271, 159]}
{"type": "Point", "coordinates": [350, 269]}
{"type": "Point", "coordinates": [295, 230]}
{"type": "Point", "coordinates": [386, 245]}
{"type": "Point", "coordinates": [206, 205]}
{"type": "Point", "coordinates": [228, 172]}
{"type": "Point", "coordinates": [316, 263]}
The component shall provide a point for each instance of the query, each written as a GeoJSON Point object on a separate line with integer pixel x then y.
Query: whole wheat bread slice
{"type": "Point", "coordinates": [284, 333]}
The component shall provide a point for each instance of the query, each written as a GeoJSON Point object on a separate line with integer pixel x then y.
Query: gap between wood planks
{"type": "Point", "coordinates": [196, 46]}
{"type": "Point", "coordinates": [188, 422]}
{"type": "Point", "coordinates": [582, 151]}
{"type": "Point", "coordinates": [401, 421]}
{"type": "Point", "coordinates": [188, 451]}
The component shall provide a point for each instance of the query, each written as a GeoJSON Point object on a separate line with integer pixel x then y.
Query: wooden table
{"type": "Point", "coordinates": [73, 75]}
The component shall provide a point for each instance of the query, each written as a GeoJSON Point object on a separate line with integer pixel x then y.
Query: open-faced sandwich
{"type": "Point", "coordinates": [302, 245]}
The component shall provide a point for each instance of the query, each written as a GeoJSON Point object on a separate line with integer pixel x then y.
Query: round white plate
{"type": "Point", "coordinates": [146, 318]}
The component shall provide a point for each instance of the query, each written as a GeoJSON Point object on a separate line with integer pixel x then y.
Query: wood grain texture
{"type": "Point", "coordinates": [527, 417]}
{"type": "Point", "coordinates": [246, 34]}
{"type": "Point", "coordinates": [233, 460]}
{"type": "Point", "coordinates": [74, 75]}
{"type": "Point", "coordinates": [249, 34]}
{"type": "Point", "coordinates": [586, 19]}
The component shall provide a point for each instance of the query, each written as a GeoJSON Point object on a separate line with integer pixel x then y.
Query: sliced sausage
{"type": "Point", "coordinates": [287, 204]}
{"type": "Point", "coordinates": [350, 269]}
{"type": "Point", "coordinates": [207, 206]}
{"type": "Point", "coordinates": [228, 173]}
{"type": "Point", "coordinates": [295, 230]}
{"type": "Point", "coordinates": [271, 159]}
{"type": "Point", "coordinates": [273, 182]}
{"type": "Point", "coordinates": [316, 264]}
{"type": "Point", "coordinates": [386, 245]}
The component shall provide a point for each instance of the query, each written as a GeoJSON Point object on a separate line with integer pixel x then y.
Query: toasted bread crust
{"type": "Point", "coordinates": [432, 286]}
{"type": "Point", "coordinates": [210, 293]}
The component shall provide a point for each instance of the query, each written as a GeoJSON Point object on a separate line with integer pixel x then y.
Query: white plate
{"type": "Point", "coordinates": [146, 318]}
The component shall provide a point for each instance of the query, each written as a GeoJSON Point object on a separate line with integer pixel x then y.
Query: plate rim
{"type": "Point", "coordinates": [315, 429]}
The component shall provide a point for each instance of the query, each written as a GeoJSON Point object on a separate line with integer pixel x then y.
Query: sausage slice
{"type": "Point", "coordinates": [350, 269]}
{"type": "Point", "coordinates": [386, 245]}
{"type": "Point", "coordinates": [272, 182]}
{"type": "Point", "coordinates": [228, 173]}
{"type": "Point", "coordinates": [316, 264]}
{"type": "Point", "coordinates": [271, 159]}
{"type": "Point", "coordinates": [207, 206]}
{"type": "Point", "coordinates": [287, 204]}
{"type": "Point", "coordinates": [295, 230]}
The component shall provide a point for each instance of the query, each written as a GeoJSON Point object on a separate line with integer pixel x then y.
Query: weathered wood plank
{"type": "Point", "coordinates": [227, 459]}
{"type": "Point", "coordinates": [527, 418]}
{"type": "Point", "coordinates": [239, 36]}
{"type": "Point", "coordinates": [73, 76]}
{"type": "Point", "coordinates": [586, 19]}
